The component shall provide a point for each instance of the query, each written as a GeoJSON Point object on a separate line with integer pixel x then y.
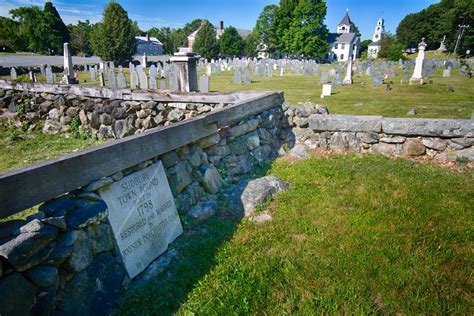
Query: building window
{"type": "Point", "coordinates": [376, 36]}
{"type": "Point", "coordinates": [341, 57]}
{"type": "Point", "coordinates": [343, 46]}
{"type": "Point", "coordinates": [335, 46]}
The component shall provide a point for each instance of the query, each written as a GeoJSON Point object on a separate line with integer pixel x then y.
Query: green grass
{"type": "Point", "coordinates": [21, 148]}
{"type": "Point", "coordinates": [353, 235]}
{"type": "Point", "coordinates": [362, 98]}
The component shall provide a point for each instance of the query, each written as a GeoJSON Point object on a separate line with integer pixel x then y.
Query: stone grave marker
{"type": "Point", "coordinates": [120, 69]}
{"type": "Point", "coordinates": [447, 73]}
{"type": "Point", "coordinates": [143, 216]}
{"type": "Point", "coordinates": [101, 78]}
{"type": "Point", "coordinates": [152, 72]}
{"type": "Point", "coordinates": [13, 75]}
{"type": "Point", "coordinates": [162, 84]}
{"type": "Point", "coordinates": [142, 77]}
{"type": "Point", "coordinates": [204, 84]}
{"type": "Point", "coordinates": [209, 70]}
{"type": "Point", "coordinates": [49, 75]}
{"type": "Point", "coordinates": [238, 76]}
{"type": "Point", "coordinates": [153, 83]}
{"type": "Point", "coordinates": [377, 79]}
{"type": "Point", "coordinates": [327, 89]}
{"type": "Point", "coordinates": [121, 81]}
{"type": "Point", "coordinates": [42, 70]}
{"type": "Point", "coordinates": [246, 76]}
{"type": "Point", "coordinates": [324, 77]}
{"type": "Point", "coordinates": [111, 82]}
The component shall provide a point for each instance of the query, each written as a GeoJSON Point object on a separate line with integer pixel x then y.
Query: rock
{"type": "Point", "coordinates": [343, 141]}
{"type": "Point", "coordinates": [45, 106]}
{"type": "Point", "coordinates": [253, 141]}
{"type": "Point", "coordinates": [92, 212]}
{"type": "Point", "coordinates": [59, 205]}
{"type": "Point", "coordinates": [64, 247]}
{"type": "Point", "coordinates": [203, 211]}
{"type": "Point", "coordinates": [28, 249]}
{"type": "Point", "coordinates": [87, 195]}
{"type": "Point", "coordinates": [18, 295]}
{"type": "Point", "coordinates": [384, 149]}
{"type": "Point", "coordinates": [72, 111]}
{"type": "Point", "coordinates": [94, 290]}
{"type": "Point", "coordinates": [195, 191]}
{"type": "Point", "coordinates": [51, 127]}
{"type": "Point", "coordinates": [54, 114]}
{"type": "Point", "coordinates": [105, 119]}
{"type": "Point", "coordinates": [98, 184]}
{"type": "Point", "coordinates": [435, 143]}
{"type": "Point", "coordinates": [464, 142]}
{"type": "Point", "coordinates": [257, 192]}
{"type": "Point", "coordinates": [465, 153]}
{"type": "Point", "coordinates": [244, 128]}
{"type": "Point", "coordinates": [118, 113]}
{"type": "Point", "coordinates": [123, 128]}
{"type": "Point", "coordinates": [412, 112]}
{"type": "Point", "coordinates": [393, 140]}
{"type": "Point", "coordinates": [342, 123]}
{"type": "Point", "coordinates": [413, 148]}
{"type": "Point", "coordinates": [32, 227]}
{"type": "Point", "coordinates": [58, 222]}
{"type": "Point", "coordinates": [195, 158]}
{"type": "Point", "coordinates": [261, 218]}
{"type": "Point", "coordinates": [209, 141]}
{"type": "Point", "coordinates": [299, 152]}
{"type": "Point", "coordinates": [81, 254]}
{"type": "Point", "coordinates": [10, 228]}
{"type": "Point", "coordinates": [169, 159]}
{"type": "Point", "coordinates": [43, 276]}
{"type": "Point", "coordinates": [45, 301]}
{"type": "Point", "coordinates": [101, 238]}
{"type": "Point", "coordinates": [83, 117]}
{"type": "Point", "coordinates": [181, 179]}
{"type": "Point", "coordinates": [301, 122]}
{"type": "Point", "coordinates": [427, 127]}
{"type": "Point", "coordinates": [95, 123]}
{"type": "Point", "coordinates": [237, 165]}
{"type": "Point", "coordinates": [212, 180]}
{"type": "Point", "coordinates": [261, 153]}
{"type": "Point", "coordinates": [238, 146]}
{"type": "Point", "coordinates": [368, 138]}
{"type": "Point", "coordinates": [175, 115]}
{"type": "Point", "coordinates": [105, 132]}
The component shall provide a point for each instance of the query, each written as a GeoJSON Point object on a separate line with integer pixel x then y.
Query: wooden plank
{"type": "Point", "coordinates": [26, 187]}
{"type": "Point", "coordinates": [244, 109]}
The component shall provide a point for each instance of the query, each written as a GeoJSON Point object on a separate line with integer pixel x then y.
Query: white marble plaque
{"type": "Point", "coordinates": [143, 216]}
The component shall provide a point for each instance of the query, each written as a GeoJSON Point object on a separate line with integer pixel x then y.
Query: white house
{"type": "Point", "coordinates": [344, 44]}
{"type": "Point", "coordinates": [374, 47]}
{"type": "Point", "coordinates": [148, 45]}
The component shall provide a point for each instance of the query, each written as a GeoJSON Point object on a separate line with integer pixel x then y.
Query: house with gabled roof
{"type": "Point", "coordinates": [344, 44]}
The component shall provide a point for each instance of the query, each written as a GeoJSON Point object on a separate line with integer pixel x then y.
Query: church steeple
{"type": "Point", "coordinates": [345, 26]}
{"type": "Point", "coordinates": [379, 30]}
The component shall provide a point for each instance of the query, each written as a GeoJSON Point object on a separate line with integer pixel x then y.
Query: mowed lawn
{"type": "Point", "coordinates": [353, 235]}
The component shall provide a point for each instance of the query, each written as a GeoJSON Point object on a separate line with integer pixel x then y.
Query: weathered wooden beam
{"type": "Point", "coordinates": [26, 187]}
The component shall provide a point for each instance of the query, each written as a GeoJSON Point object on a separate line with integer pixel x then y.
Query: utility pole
{"type": "Point", "coordinates": [462, 28]}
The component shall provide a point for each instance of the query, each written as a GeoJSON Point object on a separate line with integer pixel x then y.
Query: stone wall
{"type": "Point", "coordinates": [64, 259]}
{"type": "Point", "coordinates": [109, 116]}
{"type": "Point", "coordinates": [439, 139]}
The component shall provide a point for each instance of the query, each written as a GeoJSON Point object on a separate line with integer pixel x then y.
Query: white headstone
{"type": "Point", "coordinates": [417, 77]}
{"type": "Point", "coordinates": [13, 75]}
{"type": "Point", "coordinates": [112, 83]}
{"type": "Point", "coordinates": [204, 84]}
{"type": "Point", "coordinates": [121, 81]}
{"type": "Point", "coordinates": [348, 78]}
{"type": "Point", "coordinates": [209, 70]}
{"type": "Point", "coordinates": [143, 216]}
{"type": "Point", "coordinates": [142, 77]}
{"type": "Point", "coordinates": [49, 75]}
{"type": "Point", "coordinates": [327, 89]}
{"type": "Point", "coordinates": [69, 77]}
{"type": "Point", "coordinates": [133, 78]}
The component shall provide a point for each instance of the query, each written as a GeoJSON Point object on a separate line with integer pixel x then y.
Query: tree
{"type": "Point", "coordinates": [355, 29]}
{"type": "Point", "coordinates": [251, 43]}
{"type": "Point", "coordinates": [231, 43]}
{"type": "Point", "coordinates": [32, 28]}
{"type": "Point", "coordinates": [391, 48]}
{"type": "Point", "coordinates": [136, 29]}
{"type": "Point", "coordinates": [266, 27]}
{"type": "Point", "coordinates": [80, 37]}
{"type": "Point", "coordinates": [206, 43]}
{"type": "Point", "coordinates": [364, 46]}
{"type": "Point", "coordinates": [307, 35]}
{"type": "Point", "coordinates": [113, 39]}
{"type": "Point", "coordinates": [58, 33]}
{"type": "Point", "coordinates": [164, 35]}
{"type": "Point", "coordinates": [10, 35]}
{"type": "Point", "coordinates": [284, 18]}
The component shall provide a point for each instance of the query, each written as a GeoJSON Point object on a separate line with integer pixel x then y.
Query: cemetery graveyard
{"type": "Point", "coordinates": [237, 186]}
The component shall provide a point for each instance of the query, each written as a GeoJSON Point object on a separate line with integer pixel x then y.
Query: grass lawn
{"type": "Point", "coordinates": [353, 235]}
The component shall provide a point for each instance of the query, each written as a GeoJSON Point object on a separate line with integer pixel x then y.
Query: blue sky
{"type": "Point", "coordinates": [240, 13]}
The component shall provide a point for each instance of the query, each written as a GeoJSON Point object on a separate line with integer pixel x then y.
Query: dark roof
{"type": "Point", "coordinates": [346, 20]}
{"type": "Point", "coordinates": [346, 38]}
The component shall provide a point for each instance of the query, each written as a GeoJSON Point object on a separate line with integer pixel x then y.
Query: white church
{"type": "Point", "coordinates": [374, 47]}
{"type": "Point", "coordinates": [344, 44]}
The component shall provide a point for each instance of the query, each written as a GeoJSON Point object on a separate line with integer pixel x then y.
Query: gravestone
{"type": "Point", "coordinates": [121, 81]}
{"type": "Point", "coordinates": [111, 82]}
{"type": "Point", "coordinates": [120, 69]}
{"type": "Point", "coordinates": [143, 216]}
{"type": "Point", "coordinates": [152, 72]}
{"type": "Point", "coordinates": [417, 77]}
{"type": "Point", "coordinates": [208, 70]}
{"type": "Point", "coordinates": [238, 76]}
{"type": "Point", "coordinates": [348, 78]}
{"type": "Point", "coordinates": [101, 79]}
{"type": "Point", "coordinates": [324, 77]}
{"type": "Point", "coordinates": [246, 76]}
{"type": "Point", "coordinates": [42, 70]}
{"type": "Point", "coordinates": [32, 76]}
{"type": "Point", "coordinates": [133, 78]}
{"type": "Point", "coordinates": [49, 75]}
{"type": "Point", "coordinates": [327, 89]}
{"type": "Point", "coordinates": [377, 79]}
{"type": "Point", "coordinates": [143, 79]}
{"type": "Point", "coordinates": [13, 75]}
{"type": "Point", "coordinates": [153, 83]}
{"type": "Point", "coordinates": [92, 73]}
{"type": "Point", "coordinates": [447, 73]}
{"type": "Point", "coordinates": [204, 84]}
{"type": "Point", "coordinates": [68, 77]}
{"type": "Point", "coordinates": [162, 84]}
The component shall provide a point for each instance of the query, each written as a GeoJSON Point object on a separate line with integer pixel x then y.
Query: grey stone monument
{"type": "Point", "coordinates": [417, 77]}
{"type": "Point", "coordinates": [187, 72]}
{"type": "Point", "coordinates": [204, 84]}
{"type": "Point", "coordinates": [121, 81]}
{"type": "Point", "coordinates": [133, 78]}
{"type": "Point", "coordinates": [68, 77]}
{"type": "Point", "coordinates": [13, 75]}
{"type": "Point", "coordinates": [112, 83]}
{"type": "Point", "coordinates": [49, 75]}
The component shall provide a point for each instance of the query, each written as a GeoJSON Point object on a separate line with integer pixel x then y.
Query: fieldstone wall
{"type": "Point", "coordinates": [439, 139]}
{"type": "Point", "coordinates": [64, 259]}
{"type": "Point", "coordinates": [95, 116]}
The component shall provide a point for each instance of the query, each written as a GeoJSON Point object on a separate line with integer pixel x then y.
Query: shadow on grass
{"type": "Point", "coordinates": [193, 257]}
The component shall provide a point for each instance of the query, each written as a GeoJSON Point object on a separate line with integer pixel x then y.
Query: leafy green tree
{"type": "Point", "coordinates": [113, 39]}
{"type": "Point", "coordinates": [164, 35]}
{"type": "Point", "coordinates": [231, 43]}
{"type": "Point", "coordinates": [364, 46]}
{"type": "Point", "coordinates": [284, 19]}
{"type": "Point", "coordinates": [307, 35]}
{"type": "Point", "coordinates": [10, 35]}
{"type": "Point", "coordinates": [136, 29]}
{"type": "Point", "coordinates": [355, 29]}
{"type": "Point", "coordinates": [266, 27]}
{"type": "Point", "coordinates": [206, 43]}
{"type": "Point", "coordinates": [80, 37]}
{"type": "Point", "coordinates": [32, 28]}
{"type": "Point", "coordinates": [390, 48]}
{"type": "Point", "coordinates": [58, 33]}
{"type": "Point", "coordinates": [251, 43]}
